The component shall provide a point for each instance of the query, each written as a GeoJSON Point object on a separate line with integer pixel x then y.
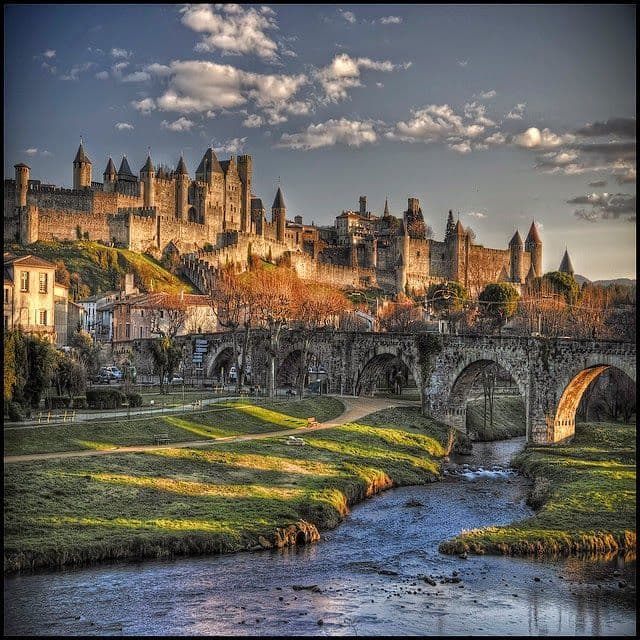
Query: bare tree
{"type": "Point", "coordinates": [167, 314]}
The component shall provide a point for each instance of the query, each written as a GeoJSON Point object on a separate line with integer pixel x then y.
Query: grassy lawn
{"type": "Point", "coordinates": [509, 419]}
{"type": "Point", "coordinates": [586, 494]}
{"type": "Point", "coordinates": [188, 501]}
{"type": "Point", "coordinates": [214, 421]}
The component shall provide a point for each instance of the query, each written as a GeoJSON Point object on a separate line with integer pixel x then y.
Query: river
{"type": "Point", "coordinates": [368, 576]}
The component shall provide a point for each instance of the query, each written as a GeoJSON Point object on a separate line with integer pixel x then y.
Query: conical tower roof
{"type": "Point", "coordinates": [148, 165]}
{"type": "Point", "coordinates": [533, 236]}
{"type": "Point", "coordinates": [181, 169]}
{"type": "Point", "coordinates": [111, 168]}
{"type": "Point", "coordinates": [386, 207]}
{"type": "Point", "coordinates": [503, 276]}
{"type": "Point", "coordinates": [459, 229]}
{"type": "Point", "coordinates": [81, 156]}
{"type": "Point", "coordinates": [278, 201]}
{"type": "Point", "coordinates": [209, 162]}
{"type": "Point", "coordinates": [125, 169]}
{"type": "Point", "coordinates": [531, 274]}
{"type": "Point", "coordinates": [516, 240]}
{"type": "Point", "coordinates": [566, 266]}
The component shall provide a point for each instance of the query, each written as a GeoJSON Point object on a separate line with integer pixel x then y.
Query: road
{"type": "Point", "coordinates": [355, 408]}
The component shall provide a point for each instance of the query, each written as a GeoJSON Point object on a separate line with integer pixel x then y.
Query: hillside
{"type": "Point", "coordinates": [626, 282]}
{"type": "Point", "coordinates": [101, 268]}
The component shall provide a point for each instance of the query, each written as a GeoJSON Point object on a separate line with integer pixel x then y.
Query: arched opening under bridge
{"type": "Point", "coordinates": [288, 374]}
{"type": "Point", "coordinates": [385, 373]}
{"type": "Point", "coordinates": [221, 365]}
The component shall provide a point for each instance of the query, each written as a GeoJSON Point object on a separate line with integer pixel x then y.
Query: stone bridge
{"type": "Point", "coordinates": [551, 374]}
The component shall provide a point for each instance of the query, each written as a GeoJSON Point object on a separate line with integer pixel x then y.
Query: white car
{"type": "Point", "coordinates": [176, 379]}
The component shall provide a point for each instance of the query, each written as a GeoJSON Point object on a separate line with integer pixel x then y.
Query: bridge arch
{"type": "Point", "coordinates": [386, 366]}
{"type": "Point", "coordinates": [221, 359]}
{"type": "Point", "coordinates": [561, 426]}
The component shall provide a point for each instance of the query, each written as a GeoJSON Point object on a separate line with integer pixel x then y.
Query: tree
{"type": "Point", "coordinates": [563, 284]}
{"type": "Point", "coordinates": [89, 352]}
{"type": "Point", "coordinates": [274, 297]}
{"type": "Point", "coordinates": [316, 306]}
{"type": "Point", "coordinates": [498, 302]}
{"type": "Point", "coordinates": [449, 299]}
{"type": "Point", "coordinates": [70, 376]}
{"type": "Point", "coordinates": [166, 357]}
{"type": "Point", "coordinates": [167, 313]}
{"type": "Point", "coordinates": [30, 369]}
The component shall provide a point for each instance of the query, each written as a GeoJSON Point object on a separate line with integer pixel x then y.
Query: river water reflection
{"type": "Point", "coordinates": [368, 575]}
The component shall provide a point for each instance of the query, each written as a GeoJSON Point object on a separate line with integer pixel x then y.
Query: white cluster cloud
{"type": "Point", "coordinates": [391, 20]}
{"type": "Point", "coordinates": [605, 206]}
{"type": "Point", "coordinates": [253, 121]}
{"type": "Point", "coordinates": [232, 28]}
{"type": "Point", "coordinates": [477, 214]}
{"type": "Point", "coordinates": [517, 113]}
{"type": "Point", "coordinates": [102, 75]}
{"type": "Point", "coordinates": [352, 133]}
{"type": "Point", "coordinates": [179, 125]}
{"type": "Point", "coordinates": [49, 54]}
{"type": "Point", "coordinates": [343, 73]}
{"type": "Point", "coordinates": [349, 16]}
{"type": "Point", "coordinates": [533, 138]}
{"type": "Point", "coordinates": [34, 151]}
{"type": "Point", "coordinates": [485, 95]}
{"type": "Point", "coordinates": [76, 70]}
{"type": "Point", "coordinates": [124, 126]}
{"type": "Point", "coordinates": [235, 145]}
{"type": "Point", "coordinates": [120, 53]}
{"type": "Point", "coordinates": [144, 106]}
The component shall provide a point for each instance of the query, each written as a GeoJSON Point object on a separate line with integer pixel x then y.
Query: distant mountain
{"type": "Point", "coordinates": [627, 282]}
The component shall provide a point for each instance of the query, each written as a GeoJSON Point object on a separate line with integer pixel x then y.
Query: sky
{"type": "Point", "coordinates": [503, 114]}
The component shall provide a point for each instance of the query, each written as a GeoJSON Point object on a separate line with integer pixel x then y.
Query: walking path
{"type": "Point", "coordinates": [355, 408]}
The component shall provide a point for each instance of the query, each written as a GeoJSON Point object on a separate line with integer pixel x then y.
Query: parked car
{"type": "Point", "coordinates": [110, 372]}
{"type": "Point", "coordinates": [175, 379]}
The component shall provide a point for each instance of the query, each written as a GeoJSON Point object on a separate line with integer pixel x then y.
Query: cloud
{"type": "Point", "coordinates": [144, 106]}
{"type": "Point", "coordinates": [49, 54]}
{"type": "Point", "coordinates": [533, 138]}
{"type": "Point", "coordinates": [124, 126]}
{"type": "Point", "coordinates": [434, 123]}
{"type": "Point", "coordinates": [233, 29]}
{"type": "Point", "coordinates": [137, 76]}
{"type": "Point", "coordinates": [461, 147]}
{"type": "Point", "coordinates": [605, 206]}
{"type": "Point", "coordinates": [102, 75]}
{"type": "Point", "coordinates": [517, 113]}
{"type": "Point", "coordinates": [477, 112]}
{"type": "Point", "coordinates": [235, 145]}
{"type": "Point", "coordinates": [485, 95]}
{"type": "Point", "coordinates": [349, 16]}
{"type": "Point", "coordinates": [619, 127]}
{"type": "Point", "coordinates": [179, 125]}
{"type": "Point", "coordinates": [34, 151]}
{"type": "Point", "coordinates": [390, 20]}
{"type": "Point", "coordinates": [463, 63]}
{"type": "Point", "coordinates": [252, 121]}
{"type": "Point", "coordinates": [352, 133]}
{"type": "Point", "coordinates": [496, 139]}
{"type": "Point", "coordinates": [343, 73]}
{"type": "Point", "coordinates": [48, 67]}
{"type": "Point", "coordinates": [598, 183]}
{"type": "Point", "coordinates": [120, 53]}
{"type": "Point", "coordinates": [477, 214]}
{"type": "Point", "coordinates": [554, 160]}
{"type": "Point", "coordinates": [77, 69]}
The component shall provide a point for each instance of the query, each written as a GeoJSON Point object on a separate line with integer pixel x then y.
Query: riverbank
{"type": "Point", "coordinates": [585, 493]}
{"type": "Point", "coordinates": [240, 496]}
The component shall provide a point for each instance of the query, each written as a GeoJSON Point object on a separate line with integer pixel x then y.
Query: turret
{"type": "Point", "coordinates": [451, 227]}
{"type": "Point", "coordinates": [362, 201]}
{"type": "Point", "coordinates": [245, 171]}
{"type": "Point", "coordinates": [403, 258]}
{"type": "Point", "coordinates": [386, 208]}
{"type": "Point", "coordinates": [208, 166]}
{"type": "Point", "coordinates": [81, 169]}
{"type": "Point", "coordinates": [22, 183]}
{"type": "Point", "coordinates": [516, 247]}
{"type": "Point", "coordinates": [533, 245]}
{"type": "Point", "coordinates": [566, 266]}
{"type": "Point", "coordinates": [531, 275]}
{"type": "Point", "coordinates": [182, 190]}
{"type": "Point", "coordinates": [279, 215]}
{"type": "Point", "coordinates": [147, 177]}
{"type": "Point", "coordinates": [257, 216]}
{"type": "Point", "coordinates": [109, 177]}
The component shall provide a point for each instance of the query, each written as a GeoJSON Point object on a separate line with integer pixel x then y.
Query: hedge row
{"type": "Point", "coordinates": [105, 398]}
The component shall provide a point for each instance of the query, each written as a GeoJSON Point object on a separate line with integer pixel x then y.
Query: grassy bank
{"type": "Point", "coordinates": [230, 497]}
{"type": "Point", "coordinates": [509, 419]}
{"type": "Point", "coordinates": [585, 492]}
{"type": "Point", "coordinates": [214, 421]}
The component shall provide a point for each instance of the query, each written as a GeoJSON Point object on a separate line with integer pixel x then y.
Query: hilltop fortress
{"type": "Point", "coordinates": [215, 219]}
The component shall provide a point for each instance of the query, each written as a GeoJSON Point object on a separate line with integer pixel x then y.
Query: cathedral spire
{"type": "Point", "coordinates": [386, 207]}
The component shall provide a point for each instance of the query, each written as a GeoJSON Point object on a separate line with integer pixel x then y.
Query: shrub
{"type": "Point", "coordinates": [105, 398]}
{"type": "Point", "coordinates": [57, 402]}
{"type": "Point", "coordinates": [80, 402]}
{"type": "Point", "coordinates": [14, 411]}
{"type": "Point", "coordinates": [135, 399]}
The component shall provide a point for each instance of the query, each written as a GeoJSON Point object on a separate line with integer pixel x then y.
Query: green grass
{"type": "Point", "coordinates": [509, 419]}
{"type": "Point", "coordinates": [231, 497]}
{"type": "Point", "coordinates": [214, 421]}
{"type": "Point", "coordinates": [586, 492]}
{"type": "Point", "coordinates": [101, 268]}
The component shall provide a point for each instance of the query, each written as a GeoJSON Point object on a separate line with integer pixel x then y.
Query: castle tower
{"type": "Point", "coordinates": [531, 276]}
{"type": "Point", "coordinates": [245, 171]}
{"type": "Point", "coordinates": [22, 183]}
{"type": "Point", "coordinates": [403, 258]}
{"type": "Point", "coordinates": [533, 245]}
{"type": "Point", "coordinates": [110, 177]}
{"type": "Point", "coordinates": [362, 200]}
{"type": "Point", "coordinates": [81, 169]}
{"type": "Point", "coordinates": [279, 215]}
{"type": "Point", "coordinates": [566, 266]}
{"type": "Point", "coordinates": [147, 177]}
{"type": "Point", "coordinates": [516, 247]}
{"type": "Point", "coordinates": [257, 216]}
{"type": "Point", "coordinates": [457, 248]}
{"type": "Point", "coordinates": [208, 167]}
{"type": "Point", "coordinates": [182, 190]}
{"type": "Point", "coordinates": [353, 253]}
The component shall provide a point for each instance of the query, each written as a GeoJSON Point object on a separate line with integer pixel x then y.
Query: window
{"type": "Point", "coordinates": [24, 281]}
{"type": "Point", "coordinates": [128, 330]}
{"type": "Point", "coordinates": [42, 282]}
{"type": "Point", "coordinates": [6, 323]}
{"type": "Point", "coordinates": [42, 316]}
{"type": "Point", "coordinates": [6, 296]}
{"type": "Point", "coordinates": [141, 332]}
